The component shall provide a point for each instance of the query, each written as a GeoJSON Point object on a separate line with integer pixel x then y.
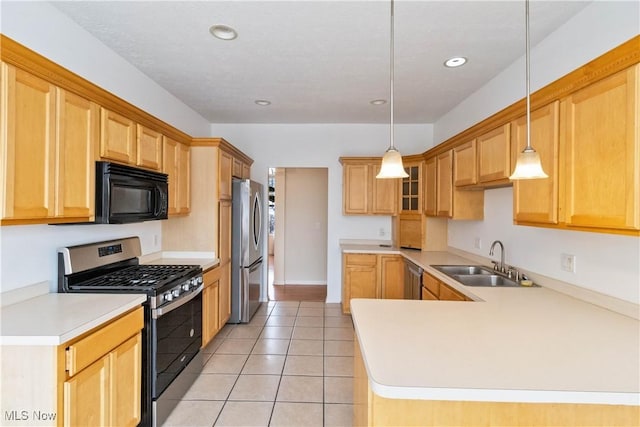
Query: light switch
{"type": "Point", "coordinates": [568, 262]}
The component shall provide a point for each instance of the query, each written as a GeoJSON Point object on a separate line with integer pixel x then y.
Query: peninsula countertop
{"type": "Point", "coordinates": [508, 345]}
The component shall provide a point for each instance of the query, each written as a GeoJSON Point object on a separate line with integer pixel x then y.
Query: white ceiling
{"type": "Point", "coordinates": [318, 61]}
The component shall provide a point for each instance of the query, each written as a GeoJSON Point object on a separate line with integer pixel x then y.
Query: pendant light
{"type": "Point", "coordinates": [392, 160]}
{"type": "Point", "coordinates": [528, 165]}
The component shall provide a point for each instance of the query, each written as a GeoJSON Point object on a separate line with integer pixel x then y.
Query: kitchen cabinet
{"type": "Point", "coordinates": [431, 186]}
{"type": "Point", "coordinates": [600, 139]}
{"type": "Point", "coordinates": [102, 382]}
{"type": "Point", "coordinates": [411, 198]}
{"type": "Point", "coordinates": [117, 137]}
{"type": "Point", "coordinates": [535, 201]}
{"type": "Point", "coordinates": [437, 290]}
{"type": "Point", "coordinates": [371, 276]}
{"type": "Point", "coordinates": [149, 148]}
{"type": "Point", "coordinates": [363, 193]}
{"type": "Point", "coordinates": [225, 165]}
{"type": "Point", "coordinates": [410, 231]}
{"type": "Point", "coordinates": [359, 278]}
{"type": "Point", "coordinates": [224, 252]}
{"type": "Point", "coordinates": [449, 201]}
{"type": "Point", "coordinates": [465, 162]}
{"type": "Point", "coordinates": [48, 146]}
{"type": "Point", "coordinates": [210, 305]}
{"type": "Point", "coordinates": [176, 163]}
{"type": "Point", "coordinates": [494, 157]}
{"type": "Point", "coordinates": [391, 276]}
{"type": "Point", "coordinates": [246, 171]}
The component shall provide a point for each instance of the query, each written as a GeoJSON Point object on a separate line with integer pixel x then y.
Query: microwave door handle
{"type": "Point", "coordinates": [160, 202]}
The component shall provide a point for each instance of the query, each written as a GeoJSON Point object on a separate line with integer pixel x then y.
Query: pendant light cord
{"type": "Point", "coordinates": [527, 66]}
{"type": "Point", "coordinates": [391, 60]}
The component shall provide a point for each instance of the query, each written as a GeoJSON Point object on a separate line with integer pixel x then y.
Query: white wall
{"type": "Point", "coordinates": [305, 230]}
{"type": "Point", "coordinates": [606, 263]}
{"type": "Point", "coordinates": [28, 253]}
{"type": "Point", "coordinates": [320, 145]}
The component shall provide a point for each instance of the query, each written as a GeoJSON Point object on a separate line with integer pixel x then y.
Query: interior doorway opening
{"type": "Point", "coordinates": [297, 234]}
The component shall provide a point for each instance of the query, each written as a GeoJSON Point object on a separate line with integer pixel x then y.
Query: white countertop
{"type": "Point", "coordinates": [508, 345]}
{"type": "Point", "coordinates": [53, 319]}
{"type": "Point", "coordinates": [206, 260]}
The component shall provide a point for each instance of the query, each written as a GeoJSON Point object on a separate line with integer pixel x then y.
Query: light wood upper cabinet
{"type": "Point", "coordinates": [78, 130]}
{"type": "Point", "coordinates": [600, 135]}
{"type": "Point", "coordinates": [246, 171]}
{"type": "Point", "coordinates": [449, 201]}
{"type": "Point", "coordinates": [48, 144]}
{"type": "Point", "coordinates": [237, 168]}
{"type": "Point", "coordinates": [444, 192]}
{"type": "Point", "coordinates": [431, 186]}
{"type": "Point", "coordinates": [363, 193]}
{"type": "Point", "coordinates": [465, 162]}
{"type": "Point", "coordinates": [536, 200]}
{"type": "Point", "coordinates": [176, 160]}
{"type": "Point", "coordinates": [117, 137]}
{"type": "Point", "coordinates": [384, 193]}
{"type": "Point", "coordinates": [411, 198]}
{"type": "Point", "coordinates": [28, 146]}
{"type": "Point", "coordinates": [149, 148]}
{"type": "Point", "coordinates": [225, 165]}
{"type": "Point", "coordinates": [494, 156]}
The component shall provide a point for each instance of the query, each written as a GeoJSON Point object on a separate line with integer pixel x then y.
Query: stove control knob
{"type": "Point", "coordinates": [176, 293]}
{"type": "Point", "coordinates": [167, 296]}
{"type": "Point", "coordinates": [185, 286]}
{"type": "Point", "coordinates": [196, 281]}
{"type": "Point", "coordinates": [200, 280]}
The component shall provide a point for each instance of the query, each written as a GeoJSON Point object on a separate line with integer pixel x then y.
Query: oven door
{"type": "Point", "coordinates": [176, 339]}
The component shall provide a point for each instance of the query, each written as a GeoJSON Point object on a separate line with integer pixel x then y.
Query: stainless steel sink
{"type": "Point", "coordinates": [462, 269]}
{"type": "Point", "coordinates": [485, 280]}
{"type": "Point", "coordinates": [478, 275]}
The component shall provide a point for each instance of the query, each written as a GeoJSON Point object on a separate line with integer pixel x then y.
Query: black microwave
{"type": "Point", "coordinates": [125, 194]}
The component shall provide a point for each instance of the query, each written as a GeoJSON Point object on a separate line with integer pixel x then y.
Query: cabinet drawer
{"type": "Point", "coordinates": [427, 295]}
{"type": "Point", "coordinates": [360, 259]}
{"type": "Point", "coordinates": [450, 294]}
{"type": "Point", "coordinates": [431, 284]}
{"type": "Point", "coordinates": [89, 349]}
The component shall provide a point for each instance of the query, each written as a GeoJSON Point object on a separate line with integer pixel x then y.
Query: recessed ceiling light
{"type": "Point", "coordinates": [223, 32]}
{"type": "Point", "coordinates": [263, 102]}
{"type": "Point", "coordinates": [454, 62]}
{"type": "Point", "coordinates": [378, 102]}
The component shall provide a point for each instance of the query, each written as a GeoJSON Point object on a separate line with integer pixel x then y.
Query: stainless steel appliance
{"type": "Point", "coordinates": [172, 333]}
{"type": "Point", "coordinates": [247, 243]}
{"type": "Point", "coordinates": [412, 280]}
{"type": "Point", "coordinates": [126, 194]}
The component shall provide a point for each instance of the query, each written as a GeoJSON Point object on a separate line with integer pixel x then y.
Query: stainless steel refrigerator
{"type": "Point", "coordinates": [247, 243]}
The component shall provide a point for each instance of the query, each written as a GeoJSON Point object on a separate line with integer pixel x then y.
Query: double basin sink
{"type": "Point", "coordinates": [477, 275]}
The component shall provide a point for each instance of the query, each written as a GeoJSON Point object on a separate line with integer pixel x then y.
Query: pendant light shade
{"type": "Point", "coordinates": [528, 165]}
{"type": "Point", "coordinates": [392, 160]}
{"type": "Point", "coordinates": [392, 165]}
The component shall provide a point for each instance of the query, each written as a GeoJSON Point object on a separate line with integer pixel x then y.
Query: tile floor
{"type": "Point", "coordinates": [291, 366]}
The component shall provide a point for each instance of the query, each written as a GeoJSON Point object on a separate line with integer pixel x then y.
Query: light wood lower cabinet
{"type": "Point", "coordinates": [103, 381]}
{"type": "Point", "coordinates": [210, 305]}
{"type": "Point", "coordinates": [224, 294]}
{"type": "Point", "coordinates": [437, 290]}
{"type": "Point", "coordinates": [371, 276]}
{"type": "Point", "coordinates": [370, 409]}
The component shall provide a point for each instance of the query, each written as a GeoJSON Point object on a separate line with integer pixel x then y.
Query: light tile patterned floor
{"type": "Point", "coordinates": [291, 366]}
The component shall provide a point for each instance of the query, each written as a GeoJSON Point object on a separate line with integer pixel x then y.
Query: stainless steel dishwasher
{"type": "Point", "coordinates": [412, 280]}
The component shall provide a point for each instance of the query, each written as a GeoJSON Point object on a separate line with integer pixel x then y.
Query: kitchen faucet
{"type": "Point", "coordinates": [500, 267]}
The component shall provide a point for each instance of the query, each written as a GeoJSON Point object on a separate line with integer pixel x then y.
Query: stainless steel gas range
{"type": "Point", "coordinates": [172, 333]}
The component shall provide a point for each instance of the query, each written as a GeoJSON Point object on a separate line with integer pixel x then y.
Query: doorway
{"type": "Point", "coordinates": [297, 234]}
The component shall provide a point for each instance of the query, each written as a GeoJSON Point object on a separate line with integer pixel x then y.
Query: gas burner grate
{"type": "Point", "coordinates": [138, 277]}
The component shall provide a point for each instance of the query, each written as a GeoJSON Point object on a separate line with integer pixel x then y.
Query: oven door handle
{"type": "Point", "coordinates": [156, 313]}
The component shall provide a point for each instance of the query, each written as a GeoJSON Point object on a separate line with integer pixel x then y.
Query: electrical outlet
{"type": "Point", "coordinates": [568, 262]}
{"type": "Point", "coordinates": [477, 243]}
{"type": "Point", "coordinates": [381, 232]}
